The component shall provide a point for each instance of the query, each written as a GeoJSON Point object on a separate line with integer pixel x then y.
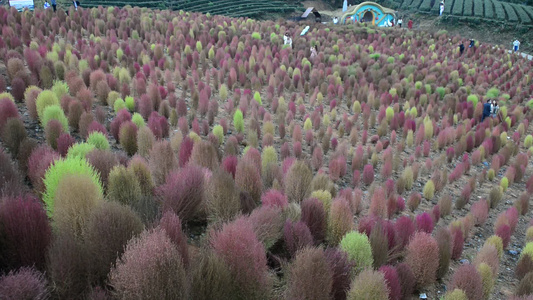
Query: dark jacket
{"type": "Point", "coordinates": [486, 109]}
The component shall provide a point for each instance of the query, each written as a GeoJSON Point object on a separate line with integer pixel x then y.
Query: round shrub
{"type": "Point", "coordinates": [222, 197]}
{"type": "Point", "coordinates": [218, 131]}
{"type": "Point", "coordinates": [8, 110]}
{"type": "Point", "coordinates": [309, 275]}
{"type": "Point", "coordinates": [239, 247]}
{"type": "Point", "coordinates": [423, 258]}
{"type": "Point", "coordinates": [487, 279]}
{"type": "Point", "coordinates": [128, 137]}
{"type": "Point", "coordinates": [497, 242]}
{"type": "Point", "coordinates": [369, 284]}
{"type": "Point", "coordinates": [211, 278]}
{"type": "Point", "coordinates": [129, 101]}
{"type": "Point", "coordinates": [456, 294]}
{"type": "Point", "coordinates": [238, 122]}
{"type": "Point", "coordinates": [98, 140]}
{"type": "Point", "coordinates": [183, 192]}
{"type": "Point", "coordinates": [150, 268]}
{"type": "Point", "coordinates": [52, 132]}
{"type": "Point", "coordinates": [76, 196]}
{"type": "Point", "coordinates": [297, 182]}
{"type": "Point", "coordinates": [123, 187]}
{"type": "Point", "coordinates": [358, 248]}
{"type": "Point", "coordinates": [138, 120]}
{"type": "Point", "coordinates": [80, 150]}
{"type": "Point", "coordinates": [467, 279]}
{"type": "Point", "coordinates": [248, 179]}
{"type": "Point", "coordinates": [119, 105]}
{"type": "Point", "coordinates": [429, 190]}
{"type": "Point", "coordinates": [46, 98]}
{"type": "Point", "coordinates": [25, 283]}
{"type": "Point", "coordinates": [60, 170]}
{"type": "Point", "coordinates": [25, 232]}
{"type": "Point", "coordinates": [109, 228]}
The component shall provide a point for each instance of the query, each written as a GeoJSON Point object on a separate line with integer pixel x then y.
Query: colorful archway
{"type": "Point", "coordinates": [369, 12]}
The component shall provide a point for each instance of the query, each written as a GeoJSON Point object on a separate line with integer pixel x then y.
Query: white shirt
{"type": "Point", "coordinates": [46, 5]}
{"type": "Point", "coordinates": [399, 21]}
{"type": "Point", "coordinates": [335, 20]}
{"type": "Point", "coordinates": [287, 40]}
{"type": "Point", "coordinates": [516, 43]}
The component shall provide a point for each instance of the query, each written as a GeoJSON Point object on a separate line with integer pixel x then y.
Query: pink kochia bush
{"type": "Point", "coordinates": [274, 198]}
{"type": "Point", "coordinates": [25, 232]}
{"type": "Point", "coordinates": [150, 268]}
{"type": "Point", "coordinates": [183, 192]}
{"type": "Point", "coordinates": [368, 174]}
{"type": "Point", "coordinates": [296, 236]}
{"type": "Point", "coordinates": [423, 258]}
{"type": "Point", "coordinates": [171, 224]}
{"type": "Point", "coordinates": [239, 247]}
{"type": "Point", "coordinates": [25, 283]}
{"type": "Point", "coordinates": [467, 279]}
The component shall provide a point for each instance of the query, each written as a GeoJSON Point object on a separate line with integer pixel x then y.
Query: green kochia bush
{"type": "Point", "coordinates": [358, 248]}
{"type": "Point", "coordinates": [80, 150]}
{"type": "Point", "coordinates": [58, 171]}
{"type": "Point", "coordinates": [98, 140]}
{"type": "Point", "coordinates": [45, 98]}
{"type": "Point", "coordinates": [54, 112]}
{"type": "Point", "coordinates": [238, 121]}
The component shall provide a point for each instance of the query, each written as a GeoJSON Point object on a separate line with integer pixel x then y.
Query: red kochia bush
{"type": "Point", "coordinates": [424, 222]}
{"type": "Point", "coordinates": [407, 280]}
{"type": "Point", "coordinates": [64, 141]}
{"type": "Point", "coordinates": [314, 216]}
{"type": "Point", "coordinates": [185, 151]}
{"type": "Point", "coordinates": [229, 164]}
{"type": "Point", "coordinates": [183, 192]}
{"type": "Point", "coordinates": [423, 258]}
{"type": "Point", "coordinates": [309, 276]}
{"type": "Point", "coordinates": [404, 228]}
{"type": "Point", "coordinates": [171, 223]}
{"type": "Point", "coordinates": [341, 269]}
{"type": "Point", "coordinates": [467, 279]}
{"type": "Point", "coordinates": [393, 282]}
{"type": "Point", "coordinates": [8, 110]}
{"type": "Point", "coordinates": [25, 230]}
{"type": "Point", "coordinates": [248, 179]}
{"type": "Point", "coordinates": [480, 211]}
{"type": "Point", "coordinates": [368, 174]}
{"type": "Point", "coordinates": [296, 236]}
{"type": "Point", "coordinates": [25, 283]}
{"type": "Point", "coordinates": [245, 255]}
{"type": "Point", "coordinates": [504, 232]}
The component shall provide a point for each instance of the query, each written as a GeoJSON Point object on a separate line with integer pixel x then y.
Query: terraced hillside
{"type": "Point", "coordinates": [491, 10]}
{"type": "Point", "coordinates": [231, 8]}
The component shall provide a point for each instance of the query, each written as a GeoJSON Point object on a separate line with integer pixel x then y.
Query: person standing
{"type": "Point", "coordinates": [487, 109]}
{"type": "Point", "coordinates": [472, 43]}
{"type": "Point", "coordinates": [335, 20]}
{"type": "Point", "coordinates": [46, 5]}
{"type": "Point", "coordinates": [287, 40]}
{"type": "Point", "coordinates": [76, 4]}
{"type": "Point", "coordinates": [516, 44]}
{"type": "Point", "coordinates": [400, 21]}
{"type": "Point", "coordinates": [54, 6]}
{"type": "Point", "coordinates": [461, 48]}
{"type": "Point", "coordinates": [410, 24]}
{"type": "Point", "coordinates": [495, 109]}
{"type": "Point", "coordinates": [441, 8]}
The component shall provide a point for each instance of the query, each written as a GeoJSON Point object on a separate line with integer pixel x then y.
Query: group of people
{"type": "Point", "coordinates": [490, 109]}
{"type": "Point", "coordinates": [287, 40]}
{"type": "Point", "coordinates": [76, 3]}
{"type": "Point", "coordinates": [462, 46]}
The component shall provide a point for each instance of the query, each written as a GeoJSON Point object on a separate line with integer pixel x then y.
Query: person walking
{"type": "Point", "coordinates": [472, 43]}
{"type": "Point", "coordinates": [516, 45]}
{"type": "Point", "coordinates": [441, 8]}
{"type": "Point", "coordinates": [46, 5]}
{"type": "Point", "coordinates": [461, 48]}
{"type": "Point", "coordinates": [314, 52]}
{"type": "Point", "coordinates": [410, 24]}
{"type": "Point", "coordinates": [54, 6]}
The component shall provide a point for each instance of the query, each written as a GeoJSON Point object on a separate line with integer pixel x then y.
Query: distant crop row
{"type": "Point", "coordinates": [487, 9]}
{"type": "Point", "coordinates": [231, 8]}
